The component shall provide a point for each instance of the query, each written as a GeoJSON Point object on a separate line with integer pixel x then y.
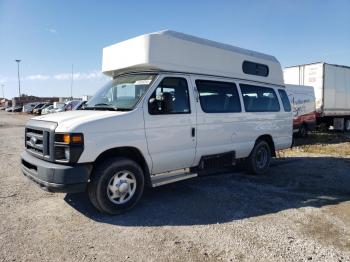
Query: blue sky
{"type": "Point", "coordinates": [50, 36]}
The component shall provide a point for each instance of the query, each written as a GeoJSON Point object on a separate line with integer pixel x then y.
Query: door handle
{"type": "Point", "coordinates": [193, 132]}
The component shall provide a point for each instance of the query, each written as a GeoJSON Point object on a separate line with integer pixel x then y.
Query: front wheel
{"type": "Point", "coordinates": [259, 159]}
{"type": "Point", "coordinates": [116, 186]}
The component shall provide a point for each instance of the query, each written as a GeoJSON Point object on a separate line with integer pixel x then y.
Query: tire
{"type": "Point", "coordinates": [116, 186]}
{"type": "Point", "coordinates": [259, 159]}
{"type": "Point", "coordinates": [302, 131]}
{"type": "Point", "coordinates": [347, 125]}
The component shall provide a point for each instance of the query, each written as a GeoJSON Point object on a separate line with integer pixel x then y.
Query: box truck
{"type": "Point", "coordinates": [177, 106]}
{"type": "Point", "coordinates": [332, 91]}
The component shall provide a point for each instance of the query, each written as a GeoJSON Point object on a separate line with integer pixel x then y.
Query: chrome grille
{"type": "Point", "coordinates": [38, 141]}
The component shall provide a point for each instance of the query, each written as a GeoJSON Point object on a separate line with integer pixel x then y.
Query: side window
{"type": "Point", "coordinates": [218, 97]}
{"type": "Point", "coordinates": [170, 97]}
{"type": "Point", "coordinates": [259, 99]}
{"type": "Point", "coordinates": [252, 68]}
{"type": "Point", "coordinates": [285, 100]}
{"type": "Point", "coordinates": [69, 107]}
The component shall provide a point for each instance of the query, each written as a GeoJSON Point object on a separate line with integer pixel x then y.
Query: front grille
{"type": "Point", "coordinates": [38, 142]}
{"type": "Point", "coordinates": [39, 139]}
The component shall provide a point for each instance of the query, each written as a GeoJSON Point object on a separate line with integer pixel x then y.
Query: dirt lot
{"type": "Point", "coordinates": [298, 212]}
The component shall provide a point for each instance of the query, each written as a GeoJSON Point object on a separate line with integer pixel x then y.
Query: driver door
{"type": "Point", "coordinates": [170, 132]}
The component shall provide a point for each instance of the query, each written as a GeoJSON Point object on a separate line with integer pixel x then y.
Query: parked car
{"type": "Point", "coordinates": [39, 109]}
{"type": "Point", "coordinates": [14, 109]}
{"type": "Point", "coordinates": [58, 107]}
{"type": "Point", "coordinates": [39, 105]}
{"type": "Point", "coordinates": [303, 102]}
{"type": "Point", "coordinates": [17, 109]}
{"type": "Point", "coordinates": [72, 104]}
{"type": "Point", "coordinates": [47, 110]}
{"type": "Point", "coordinates": [4, 107]}
{"type": "Point", "coordinates": [28, 108]}
{"type": "Point", "coordinates": [80, 105]}
{"type": "Point", "coordinates": [163, 117]}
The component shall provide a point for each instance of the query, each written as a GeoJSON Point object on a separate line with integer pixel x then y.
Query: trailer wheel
{"type": "Point", "coordinates": [347, 125]}
{"type": "Point", "coordinates": [116, 186]}
{"type": "Point", "coordinates": [302, 131]}
{"type": "Point", "coordinates": [259, 159]}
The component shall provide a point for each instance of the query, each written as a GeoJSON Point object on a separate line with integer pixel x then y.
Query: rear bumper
{"type": "Point", "coordinates": [54, 177]}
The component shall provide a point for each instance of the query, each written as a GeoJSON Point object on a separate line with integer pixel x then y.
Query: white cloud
{"type": "Point", "coordinates": [79, 76]}
{"type": "Point", "coordinates": [37, 77]}
{"type": "Point", "coordinates": [3, 79]}
{"type": "Point", "coordinates": [52, 30]}
{"type": "Point", "coordinates": [62, 76]}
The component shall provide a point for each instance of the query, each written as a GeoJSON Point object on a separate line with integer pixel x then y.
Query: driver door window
{"type": "Point", "coordinates": [170, 97]}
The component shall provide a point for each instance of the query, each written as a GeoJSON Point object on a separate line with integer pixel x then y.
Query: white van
{"type": "Point", "coordinates": [177, 106]}
{"type": "Point", "coordinates": [303, 103]}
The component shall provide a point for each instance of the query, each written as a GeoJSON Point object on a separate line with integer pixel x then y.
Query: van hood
{"type": "Point", "coordinates": [77, 117]}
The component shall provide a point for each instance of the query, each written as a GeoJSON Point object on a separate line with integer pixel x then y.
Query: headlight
{"type": "Point", "coordinates": [68, 147]}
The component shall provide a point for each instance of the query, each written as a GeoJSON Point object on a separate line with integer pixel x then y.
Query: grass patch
{"type": "Point", "coordinates": [334, 144]}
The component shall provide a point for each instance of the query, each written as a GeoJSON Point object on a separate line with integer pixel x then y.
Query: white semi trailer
{"type": "Point", "coordinates": [332, 91]}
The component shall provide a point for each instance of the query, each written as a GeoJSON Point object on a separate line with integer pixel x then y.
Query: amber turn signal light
{"type": "Point", "coordinates": [72, 138]}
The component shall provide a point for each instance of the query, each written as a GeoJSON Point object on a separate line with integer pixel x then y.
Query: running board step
{"type": "Point", "coordinates": [170, 177]}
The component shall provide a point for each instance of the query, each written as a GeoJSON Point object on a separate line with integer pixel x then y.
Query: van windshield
{"type": "Point", "coordinates": [122, 93]}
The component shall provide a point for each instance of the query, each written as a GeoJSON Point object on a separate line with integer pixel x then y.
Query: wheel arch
{"type": "Point", "coordinates": [132, 153]}
{"type": "Point", "coordinates": [269, 140]}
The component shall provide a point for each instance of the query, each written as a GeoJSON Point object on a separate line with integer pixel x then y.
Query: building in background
{"type": "Point", "coordinates": [67, 99]}
{"type": "Point", "coordinates": [86, 97]}
{"type": "Point", "coordinates": [5, 102]}
{"type": "Point", "coordinates": [32, 99]}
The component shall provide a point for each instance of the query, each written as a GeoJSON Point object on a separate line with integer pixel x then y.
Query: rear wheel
{"type": "Point", "coordinates": [116, 185]}
{"type": "Point", "coordinates": [259, 159]}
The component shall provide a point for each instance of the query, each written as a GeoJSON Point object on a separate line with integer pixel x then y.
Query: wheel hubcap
{"type": "Point", "coordinates": [261, 158]}
{"type": "Point", "coordinates": [121, 187]}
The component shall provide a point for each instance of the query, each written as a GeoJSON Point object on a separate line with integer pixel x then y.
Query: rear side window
{"type": "Point", "coordinates": [285, 100]}
{"type": "Point", "coordinates": [252, 68]}
{"type": "Point", "coordinates": [218, 97]}
{"type": "Point", "coordinates": [259, 99]}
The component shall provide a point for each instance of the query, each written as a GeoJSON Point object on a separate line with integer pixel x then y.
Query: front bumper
{"type": "Point", "coordinates": [55, 177]}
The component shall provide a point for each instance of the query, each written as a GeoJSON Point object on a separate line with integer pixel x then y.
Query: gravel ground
{"type": "Point", "coordinates": [298, 212]}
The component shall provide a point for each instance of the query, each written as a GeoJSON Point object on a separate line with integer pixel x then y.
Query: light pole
{"type": "Point", "coordinates": [71, 85]}
{"type": "Point", "coordinates": [19, 80]}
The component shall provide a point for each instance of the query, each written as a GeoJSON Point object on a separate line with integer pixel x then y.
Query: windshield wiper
{"type": "Point", "coordinates": [100, 106]}
{"type": "Point", "coordinates": [123, 109]}
{"type": "Point", "coordinates": [103, 106]}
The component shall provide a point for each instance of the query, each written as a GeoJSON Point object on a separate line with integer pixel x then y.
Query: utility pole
{"type": "Point", "coordinates": [71, 85]}
{"type": "Point", "coordinates": [19, 80]}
